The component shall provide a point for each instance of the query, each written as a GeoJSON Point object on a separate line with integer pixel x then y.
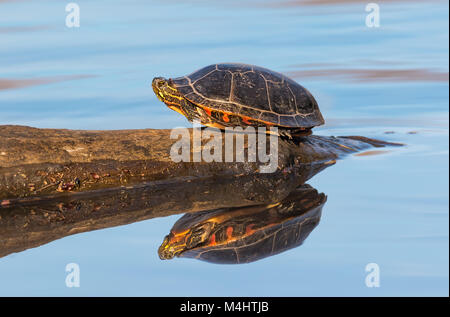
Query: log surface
{"type": "Point", "coordinates": [38, 162]}
{"type": "Point", "coordinates": [128, 176]}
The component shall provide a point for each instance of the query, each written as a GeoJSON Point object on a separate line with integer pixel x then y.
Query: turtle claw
{"type": "Point", "coordinates": [285, 134]}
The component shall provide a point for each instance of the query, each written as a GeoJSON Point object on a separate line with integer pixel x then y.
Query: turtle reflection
{"type": "Point", "coordinates": [247, 234]}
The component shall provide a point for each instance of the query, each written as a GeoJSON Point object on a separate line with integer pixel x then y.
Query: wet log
{"type": "Point", "coordinates": [40, 162]}
{"type": "Point", "coordinates": [37, 222]}
{"type": "Point", "coordinates": [128, 176]}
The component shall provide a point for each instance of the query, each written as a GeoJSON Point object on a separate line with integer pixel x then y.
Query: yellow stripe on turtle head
{"type": "Point", "coordinates": [273, 205]}
{"type": "Point", "coordinates": [177, 109]}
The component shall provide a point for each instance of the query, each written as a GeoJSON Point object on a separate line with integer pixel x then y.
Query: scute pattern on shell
{"type": "Point", "coordinates": [251, 91]}
{"type": "Point", "coordinates": [267, 242]}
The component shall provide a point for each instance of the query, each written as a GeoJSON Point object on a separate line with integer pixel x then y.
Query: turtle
{"type": "Point", "coordinates": [241, 95]}
{"type": "Point", "coordinates": [245, 234]}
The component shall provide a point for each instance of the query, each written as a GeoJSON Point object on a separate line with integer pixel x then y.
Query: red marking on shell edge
{"type": "Point", "coordinates": [246, 120]}
{"type": "Point", "coordinates": [229, 232]}
{"type": "Point", "coordinates": [212, 240]}
{"type": "Point", "coordinates": [5, 203]}
{"type": "Point", "coordinates": [249, 229]}
{"type": "Point", "coordinates": [225, 117]}
{"type": "Point", "coordinates": [208, 111]}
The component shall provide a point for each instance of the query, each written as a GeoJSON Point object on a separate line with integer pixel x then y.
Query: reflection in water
{"type": "Point", "coordinates": [242, 235]}
{"type": "Point", "coordinates": [43, 220]}
{"type": "Point", "coordinates": [224, 200]}
{"type": "Point", "coordinates": [12, 29]}
{"type": "Point", "coordinates": [373, 75]}
{"type": "Point", "coordinates": [371, 153]}
{"type": "Point", "coordinates": [21, 83]}
{"type": "Point", "coordinates": [326, 3]}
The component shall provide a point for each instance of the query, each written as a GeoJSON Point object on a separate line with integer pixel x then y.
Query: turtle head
{"type": "Point", "coordinates": [166, 91]}
{"type": "Point", "coordinates": [176, 243]}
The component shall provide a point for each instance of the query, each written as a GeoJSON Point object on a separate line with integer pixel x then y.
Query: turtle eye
{"type": "Point", "coordinates": [170, 82]}
{"type": "Point", "coordinates": [158, 82]}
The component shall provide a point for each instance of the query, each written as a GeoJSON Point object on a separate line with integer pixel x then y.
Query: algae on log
{"type": "Point", "coordinates": [40, 162]}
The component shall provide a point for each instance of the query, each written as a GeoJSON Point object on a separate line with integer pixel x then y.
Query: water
{"type": "Point", "coordinates": [391, 209]}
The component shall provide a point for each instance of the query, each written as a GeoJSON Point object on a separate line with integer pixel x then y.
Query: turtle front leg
{"type": "Point", "coordinates": [285, 134]}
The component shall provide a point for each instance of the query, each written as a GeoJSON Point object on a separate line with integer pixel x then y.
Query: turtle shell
{"type": "Point", "coordinates": [253, 92]}
{"type": "Point", "coordinates": [253, 233]}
